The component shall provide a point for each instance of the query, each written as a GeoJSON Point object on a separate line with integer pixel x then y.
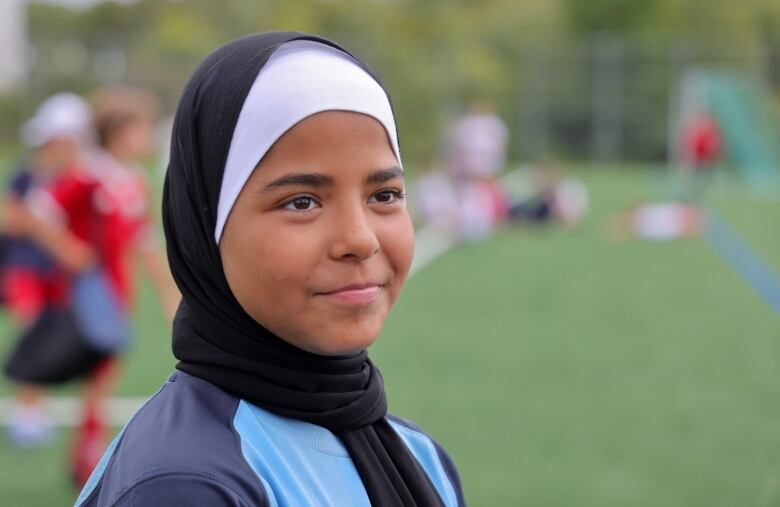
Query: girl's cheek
{"type": "Point", "coordinates": [400, 247]}
{"type": "Point", "coordinates": [408, 237]}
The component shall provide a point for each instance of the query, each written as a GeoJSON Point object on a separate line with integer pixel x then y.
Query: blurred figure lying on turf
{"type": "Point", "coordinates": [661, 221]}
{"type": "Point", "coordinates": [102, 203]}
{"type": "Point", "coordinates": [32, 280]}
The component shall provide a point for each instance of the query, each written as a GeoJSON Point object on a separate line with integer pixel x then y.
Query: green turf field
{"type": "Point", "coordinates": [561, 369]}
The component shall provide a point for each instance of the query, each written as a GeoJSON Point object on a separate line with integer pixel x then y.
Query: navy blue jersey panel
{"type": "Point", "coordinates": [188, 427]}
{"type": "Point", "coordinates": [180, 488]}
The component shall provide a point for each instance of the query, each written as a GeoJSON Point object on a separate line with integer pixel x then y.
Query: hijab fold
{"type": "Point", "coordinates": [215, 339]}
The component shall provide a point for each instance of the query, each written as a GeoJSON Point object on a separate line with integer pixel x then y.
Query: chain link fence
{"type": "Point", "coordinates": [609, 99]}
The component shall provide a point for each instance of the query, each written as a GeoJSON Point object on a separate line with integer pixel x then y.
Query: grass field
{"type": "Point", "coordinates": [561, 369]}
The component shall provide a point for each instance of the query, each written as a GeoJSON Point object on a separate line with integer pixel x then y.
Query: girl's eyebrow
{"type": "Point", "coordinates": [322, 180]}
{"type": "Point", "coordinates": [385, 175]}
{"type": "Point", "coordinates": [301, 179]}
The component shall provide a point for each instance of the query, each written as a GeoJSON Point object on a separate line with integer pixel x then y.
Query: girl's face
{"type": "Point", "coordinates": [319, 242]}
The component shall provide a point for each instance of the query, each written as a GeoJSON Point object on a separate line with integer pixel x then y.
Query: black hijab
{"type": "Point", "coordinates": [215, 339]}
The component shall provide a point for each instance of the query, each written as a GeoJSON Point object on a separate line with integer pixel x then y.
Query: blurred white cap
{"type": "Point", "coordinates": [61, 115]}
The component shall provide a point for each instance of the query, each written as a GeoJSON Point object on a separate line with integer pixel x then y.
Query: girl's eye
{"type": "Point", "coordinates": [387, 196]}
{"type": "Point", "coordinates": [302, 203]}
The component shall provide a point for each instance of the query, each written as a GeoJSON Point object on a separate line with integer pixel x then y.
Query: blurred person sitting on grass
{"type": "Point", "coordinates": [289, 238]}
{"type": "Point", "coordinates": [546, 196]}
{"type": "Point", "coordinates": [102, 204]}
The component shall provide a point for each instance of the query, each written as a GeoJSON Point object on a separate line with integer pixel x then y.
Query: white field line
{"type": "Point", "coordinates": [431, 244]}
{"type": "Point", "coordinates": [66, 410]}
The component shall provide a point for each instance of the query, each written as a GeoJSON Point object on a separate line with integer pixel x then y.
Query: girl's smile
{"type": "Point", "coordinates": [359, 294]}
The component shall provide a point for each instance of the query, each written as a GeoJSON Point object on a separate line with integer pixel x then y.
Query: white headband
{"type": "Point", "coordinates": [300, 79]}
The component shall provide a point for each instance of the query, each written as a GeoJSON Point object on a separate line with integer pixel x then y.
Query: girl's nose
{"type": "Point", "coordinates": [354, 238]}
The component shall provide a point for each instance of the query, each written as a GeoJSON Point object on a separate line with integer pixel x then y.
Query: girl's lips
{"type": "Point", "coordinates": [355, 295]}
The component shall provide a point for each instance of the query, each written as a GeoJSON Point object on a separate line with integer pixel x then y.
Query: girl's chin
{"type": "Point", "coordinates": [340, 344]}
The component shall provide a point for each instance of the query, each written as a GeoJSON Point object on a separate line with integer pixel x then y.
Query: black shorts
{"type": "Point", "coordinates": [52, 351]}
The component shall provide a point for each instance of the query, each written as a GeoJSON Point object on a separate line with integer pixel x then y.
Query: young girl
{"type": "Point", "coordinates": [290, 241]}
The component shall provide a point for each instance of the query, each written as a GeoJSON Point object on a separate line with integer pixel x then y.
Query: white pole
{"type": "Point", "coordinates": [13, 41]}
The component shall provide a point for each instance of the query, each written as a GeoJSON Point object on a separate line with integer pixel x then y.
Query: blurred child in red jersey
{"type": "Point", "coordinates": [104, 204]}
{"type": "Point", "coordinates": [32, 279]}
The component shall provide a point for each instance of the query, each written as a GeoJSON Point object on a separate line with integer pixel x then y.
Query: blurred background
{"type": "Point", "coordinates": [610, 335]}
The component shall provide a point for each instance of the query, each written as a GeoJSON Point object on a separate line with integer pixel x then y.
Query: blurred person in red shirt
{"type": "Point", "coordinates": [104, 204]}
{"type": "Point", "coordinates": [32, 279]}
{"type": "Point", "coordinates": [701, 148]}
